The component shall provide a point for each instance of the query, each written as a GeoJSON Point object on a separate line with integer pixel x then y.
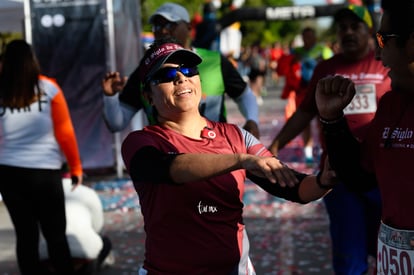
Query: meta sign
{"type": "Point", "coordinates": [290, 13]}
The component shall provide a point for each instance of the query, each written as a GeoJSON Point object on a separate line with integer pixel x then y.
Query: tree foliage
{"type": "Point", "coordinates": [266, 32]}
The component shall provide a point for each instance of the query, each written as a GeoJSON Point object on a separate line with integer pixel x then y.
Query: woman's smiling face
{"type": "Point", "coordinates": [181, 94]}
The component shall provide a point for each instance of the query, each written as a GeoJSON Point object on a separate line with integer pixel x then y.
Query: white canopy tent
{"type": "Point", "coordinates": [11, 16]}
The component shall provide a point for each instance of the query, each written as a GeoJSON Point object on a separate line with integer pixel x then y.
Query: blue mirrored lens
{"type": "Point", "coordinates": [169, 74]}
{"type": "Point", "coordinates": [185, 71]}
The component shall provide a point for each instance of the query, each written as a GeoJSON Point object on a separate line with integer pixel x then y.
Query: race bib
{"type": "Point", "coordinates": [395, 251]}
{"type": "Point", "coordinates": [364, 101]}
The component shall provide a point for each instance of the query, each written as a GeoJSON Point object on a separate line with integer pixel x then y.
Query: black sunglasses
{"type": "Point", "coordinates": [167, 25]}
{"type": "Point", "coordinates": [169, 74]}
{"type": "Point", "coordinates": [383, 37]}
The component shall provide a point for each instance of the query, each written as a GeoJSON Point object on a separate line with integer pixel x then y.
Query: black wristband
{"type": "Point", "coordinates": [319, 183]}
{"type": "Point", "coordinates": [339, 127]}
{"type": "Point", "coordinates": [333, 121]}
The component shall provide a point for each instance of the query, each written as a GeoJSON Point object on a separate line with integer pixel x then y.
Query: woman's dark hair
{"type": "Point", "coordinates": [19, 77]}
{"type": "Point", "coordinates": [400, 18]}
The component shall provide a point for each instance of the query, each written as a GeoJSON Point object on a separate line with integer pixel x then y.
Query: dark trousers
{"type": "Point", "coordinates": [35, 201]}
{"type": "Point", "coordinates": [354, 223]}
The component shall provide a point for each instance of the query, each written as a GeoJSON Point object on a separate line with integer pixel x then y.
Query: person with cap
{"type": "Point", "coordinates": [384, 157]}
{"type": "Point", "coordinates": [218, 78]}
{"type": "Point", "coordinates": [189, 173]}
{"type": "Point", "coordinates": [354, 218]}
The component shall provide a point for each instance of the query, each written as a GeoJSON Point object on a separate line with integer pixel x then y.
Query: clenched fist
{"type": "Point", "coordinates": [333, 94]}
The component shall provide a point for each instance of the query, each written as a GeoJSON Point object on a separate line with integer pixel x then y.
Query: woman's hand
{"type": "Point", "coordinates": [269, 167]}
{"type": "Point", "coordinates": [113, 83]}
{"type": "Point", "coordinates": [76, 181]}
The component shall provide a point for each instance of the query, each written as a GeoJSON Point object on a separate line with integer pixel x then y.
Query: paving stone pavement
{"type": "Point", "coordinates": [285, 238]}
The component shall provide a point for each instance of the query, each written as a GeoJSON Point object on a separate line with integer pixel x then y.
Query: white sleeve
{"type": "Point", "coordinates": [248, 105]}
{"type": "Point", "coordinates": [116, 114]}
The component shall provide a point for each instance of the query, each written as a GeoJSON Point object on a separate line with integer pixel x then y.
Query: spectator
{"type": "Point", "coordinates": [35, 129]}
{"type": "Point", "coordinates": [275, 53]}
{"type": "Point", "coordinates": [257, 71]}
{"type": "Point", "coordinates": [297, 67]}
{"type": "Point", "coordinates": [219, 78]}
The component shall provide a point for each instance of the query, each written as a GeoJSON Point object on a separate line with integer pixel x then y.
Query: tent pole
{"type": "Point", "coordinates": [112, 62]}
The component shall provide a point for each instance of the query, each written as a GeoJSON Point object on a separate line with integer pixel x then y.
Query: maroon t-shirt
{"type": "Point", "coordinates": [388, 150]}
{"type": "Point", "coordinates": [199, 223]}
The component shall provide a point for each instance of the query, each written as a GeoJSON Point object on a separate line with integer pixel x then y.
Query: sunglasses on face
{"type": "Point", "coordinates": [167, 25]}
{"type": "Point", "coordinates": [169, 74]}
{"type": "Point", "coordinates": [382, 38]}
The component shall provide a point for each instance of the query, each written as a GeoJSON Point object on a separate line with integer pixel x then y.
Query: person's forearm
{"type": "Point", "coordinates": [344, 151]}
{"type": "Point", "coordinates": [306, 191]}
{"type": "Point", "coordinates": [196, 167]}
{"type": "Point", "coordinates": [309, 190]}
{"type": "Point", "coordinates": [150, 164]}
{"type": "Point", "coordinates": [288, 193]}
{"type": "Point", "coordinates": [65, 133]}
{"type": "Point", "coordinates": [116, 116]}
{"type": "Point", "coordinates": [247, 105]}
